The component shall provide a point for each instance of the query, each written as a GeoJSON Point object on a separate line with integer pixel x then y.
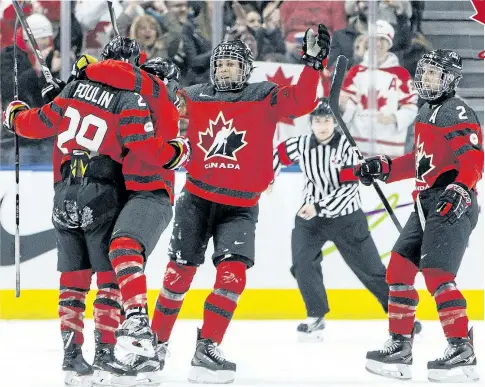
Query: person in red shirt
{"type": "Point", "coordinates": [231, 129]}
{"type": "Point", "coordinates": [447, 163]}
{"type": "Point", "coordinates": [96, 127]}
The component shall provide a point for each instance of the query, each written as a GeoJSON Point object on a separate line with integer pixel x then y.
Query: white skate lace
{"type": "Point", "coordinates": [449, 353]}
{"type": "Point", "coordinates": [390, 346]}
{"type": "Point", "coordinates": [216, 352]}
{"type": "Point", "coordinates": [162, 351]}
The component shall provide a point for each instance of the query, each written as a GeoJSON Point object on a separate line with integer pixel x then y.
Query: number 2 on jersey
{"type": "Point", "coordinates": [78, 128]}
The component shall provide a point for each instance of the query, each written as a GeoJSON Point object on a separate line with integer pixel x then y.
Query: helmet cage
{"type": "Point", "coordinates": [445, 82]}
{"type": "Point", "coordinates": [245, 67]}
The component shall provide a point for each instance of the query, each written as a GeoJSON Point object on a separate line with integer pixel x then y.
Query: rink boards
{"type": "Point", "coordinates": [271, 290]}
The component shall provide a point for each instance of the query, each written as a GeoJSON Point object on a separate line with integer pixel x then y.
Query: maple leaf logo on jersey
{"type": "Point", "coordinates": [280, 79]}
{"type": "Point", "coordinates": [424, 162]}
{"type": "Point", "coordinates": [221, 139]}
{"type": "Point", "coordinates": [381, 102]}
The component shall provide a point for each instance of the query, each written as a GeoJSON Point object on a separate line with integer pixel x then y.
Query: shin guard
{"type": "Point", "coordinates": [107, 306]}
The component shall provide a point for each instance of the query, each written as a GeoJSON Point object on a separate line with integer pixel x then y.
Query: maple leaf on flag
{"type": "Point", "coordinates": [479, 6]}
{"type": "Point", "coordinates": [381, 102]}
{"type": "Point", "coordinates": [280, 79]}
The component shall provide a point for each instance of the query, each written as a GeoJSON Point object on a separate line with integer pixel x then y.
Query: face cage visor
{"type": "Point", "coordinates": [435, 85]}
{"type": "Point", "coordinates": [227, 83]}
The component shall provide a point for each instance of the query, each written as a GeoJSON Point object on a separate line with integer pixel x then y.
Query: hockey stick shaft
{"type": "Point", "coordinates": [35, 47]}
{"type": "Point", "coordinates": [17, 167]}
{"type": "Point", "coordinates": [337, 81]}
{"type": "Point", "coordinates": [112, 15]}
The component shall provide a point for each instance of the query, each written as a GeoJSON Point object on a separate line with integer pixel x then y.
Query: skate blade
{"type": "Point", "coordinates": [105, 378]}
{"type": "Point", "coordinates": [149, 378]}
{"type": "Point", "coordinates": [74, 379]}
{"type": "Point", "coordinates": [128, 346]}
{"type": "Point", "coordinates": [202, 375]}
{"type": "Point", "coordinates": [464, 374]}
{"type": "Point", "coordinates": [393, 371]}
{"type": "Point", "coordinates": [312, 337]}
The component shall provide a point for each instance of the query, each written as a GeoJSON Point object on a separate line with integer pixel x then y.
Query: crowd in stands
{"type": "Point", "coordinates": [181, 30]}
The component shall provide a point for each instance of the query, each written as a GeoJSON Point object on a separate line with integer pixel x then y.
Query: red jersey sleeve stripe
{"type": "Point", "coordinates": [283, 154]}
{"type": "Point", "coordinates": [467, 147]}
{"type": "Point", "coordinates": [347, 175]}
{"type": "Point", "coordinates": [136, 138]}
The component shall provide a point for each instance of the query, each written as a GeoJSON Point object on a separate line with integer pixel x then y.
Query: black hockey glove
{"type": "Point", "coordinates": [316, 48]}
{"type": "Point", "coordinates": [378, 167]}
{"type": "Point", "coordinates": [454, 202]}
{"type": "Point", "coordinates": [52, 90]}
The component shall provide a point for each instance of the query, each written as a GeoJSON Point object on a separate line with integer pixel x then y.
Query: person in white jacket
{"type": "Point", "coordinates": [396, 105]}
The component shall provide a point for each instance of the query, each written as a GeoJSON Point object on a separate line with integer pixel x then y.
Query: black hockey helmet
{"type": "Point", "coordinates": [323, 109]}
{"type": "Point", "coordinates": [233, 50]}
{"type": "Point", "coordinates": [124, 49]}
{"type": "Point", "coordinates": [162, 68]}
{"type": "Point", "coordinates": [445, 66]}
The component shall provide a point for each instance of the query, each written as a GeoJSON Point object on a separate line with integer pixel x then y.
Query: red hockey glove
{"type": "Point", "coordinates": [52, 90]}
{"type": "Point", "coordinates": [12, 109]}
{"type": "Point", "coordinates": [183, 151]}
{"type": "Point", "coordinates": [316, 48]}
{"type": "Point", "coordinates": [378, 167]}
{"type": "Point", "coordinates": [454, 202]}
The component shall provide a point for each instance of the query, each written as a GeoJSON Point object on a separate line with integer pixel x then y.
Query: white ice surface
{"type": "Point", "coordinates": [267, 353]}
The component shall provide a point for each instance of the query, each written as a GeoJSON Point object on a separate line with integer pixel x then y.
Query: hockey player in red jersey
{"type": "Point", "coordinates": [447, 163]}
{"type": "Point", "coordinates": [231, 127]}
{"type": "Point", "coordinates": [96, 126]}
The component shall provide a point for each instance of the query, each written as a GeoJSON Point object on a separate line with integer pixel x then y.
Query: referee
{"type": "Point", "coordinates": [330, 212]}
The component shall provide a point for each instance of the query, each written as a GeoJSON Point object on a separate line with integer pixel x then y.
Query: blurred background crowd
{"type": "Point", "coordinates": [186, 32]}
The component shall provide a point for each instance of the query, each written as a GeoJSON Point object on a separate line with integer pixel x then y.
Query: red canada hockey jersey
{"type": "Point", "coordinates": [141, 176]}
{"type": "Point", "coordinates": [96, 118]}
{"type": "Point", "coordinates": [448, 148]}
{"type": "Point", "coordinates": [231, 134]}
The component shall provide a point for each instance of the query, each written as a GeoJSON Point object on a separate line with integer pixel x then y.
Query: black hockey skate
{"type": "Point", "coordinates": [394, 360]}
{"type": "Point", "coordinates": [107, 370]}
{"type": "Point", "coordinates": [149, 369]}
{"type": "Point", "coordinates": [457, 365]}
{"type": "Point", "coordinates": [134, 337]}
{"type": "Point", "coordinates": [311, 330]}
{"type": "Point", "coordinates": [78, 371]}
{"type": "Point", "coordinates": [209, 364]}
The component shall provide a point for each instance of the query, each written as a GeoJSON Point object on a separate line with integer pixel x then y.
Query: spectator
{"type": "Point", "coordinates": [96, 22]}
{"type": "Point", "coordinates": [146, 30]}
{"type": "Point", "coordinates": [395, 12]}
{"type": "Point", "coordinates": [344, 39]}
{"type": "Point", "coordinates": [263, 39]}
{"type": "Point", "coordinates": [30, 83]}
{"type": "Point", "coordinates": [396, 100]}
{"type": "Point", "coordinates": [298, 16]}
{"type": "Point", "coordinates": [29, 70]}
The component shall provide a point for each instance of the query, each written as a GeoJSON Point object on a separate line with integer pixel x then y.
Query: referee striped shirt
{"type": "Point", "coordinates": [328, 168]}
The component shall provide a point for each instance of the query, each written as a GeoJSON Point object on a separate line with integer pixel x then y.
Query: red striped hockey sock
{"type": "Point", "coordinates": [126, 256]}
{"type": "Point", "coordinates": [107, 306]}
{"type": "Point", "coordinates": [220, 305]}
{"type": "Point", "coordinates": [403, 297]}
{"type": "Point", "coordinates": [74, 286]}
{"type": "Point", "coordinates": [176, 283]}
{"type": "Point", "coordinates": [450, 303]}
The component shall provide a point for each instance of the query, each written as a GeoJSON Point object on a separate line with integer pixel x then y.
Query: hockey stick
{"type": "Point", "coordinates": [113, 18]}
{"type": "Point", "coordinates": [338, 78]}
{"type": "Point", "coordinates": [17, 166]}
{"type": "Point", "coordinates": [35, 47]}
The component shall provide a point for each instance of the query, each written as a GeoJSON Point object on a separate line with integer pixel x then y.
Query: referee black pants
{"type": "Point", "coordinates": [351, 236]}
